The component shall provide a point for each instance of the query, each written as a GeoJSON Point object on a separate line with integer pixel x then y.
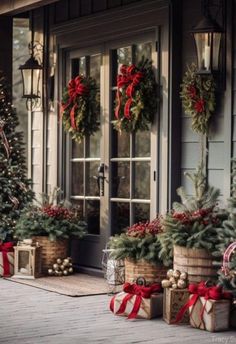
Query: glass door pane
{"type": "Point", "coordinates": [130, 154]}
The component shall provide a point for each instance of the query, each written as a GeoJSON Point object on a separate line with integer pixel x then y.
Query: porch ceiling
{"type": "Point", "coordinates": [18, 6]}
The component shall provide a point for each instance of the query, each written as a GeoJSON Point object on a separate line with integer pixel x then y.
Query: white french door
{"type": "Point", "coordinates": [128, 162]}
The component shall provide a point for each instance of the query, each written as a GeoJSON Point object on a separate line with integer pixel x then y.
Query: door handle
{"type": "Point", "coordinates": [100, 178]}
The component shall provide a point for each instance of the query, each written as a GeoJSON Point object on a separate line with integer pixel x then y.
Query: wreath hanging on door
{"type": "Point", "coordinates": [198, 98]}
{"type": "Point", "coordinates": [80, 107]}
{"type": "Point", "coordinates": [136, 97]}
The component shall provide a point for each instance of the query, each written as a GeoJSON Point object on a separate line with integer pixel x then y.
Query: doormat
{"type": "Point", "coordinates": [75, 285]}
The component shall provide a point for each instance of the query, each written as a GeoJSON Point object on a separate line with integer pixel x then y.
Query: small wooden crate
{"type": "Point", "coordinates": [174, 300]}
{"type": "Point", "coordinates": [151, 272]}
{"type": "Point", "coordinates": [215, 317]}
{"type": "Point", "coordinates": [149, 308]}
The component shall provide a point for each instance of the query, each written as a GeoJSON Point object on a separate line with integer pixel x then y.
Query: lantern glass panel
{"type": "Point", "coordinates": [216, 50]}
{"type": "Point", "coordinates": [203, 44]}
{"type": "Point", "coordinates": [24, 262]}
{"type": "Point", "coordinates": [35, 80]}
{"type": "Point", "coordinates": [26, 73]}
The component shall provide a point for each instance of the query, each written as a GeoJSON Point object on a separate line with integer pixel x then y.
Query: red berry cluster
{"type": "Point", "coordinates": [57, 212]}
{"type": "Point", "coordinates": [204, 216]}
{"type": "Point", "coordinates": [141, 229]}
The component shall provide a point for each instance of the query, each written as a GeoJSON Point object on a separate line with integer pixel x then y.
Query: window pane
{"type": "Point", "coordinates": [77, 179]}
{"type": "Point", "coordinates": [77, 149]}
{"type": "Point", "coordinates": [121, 145]}
{"type": "Point", "coordinates": [142, 143]}
{"type": "Point", "coordinates": [78, 205]}
{"type": "Point", "coordinates": [141, 212]}
{"type": "Point", "coordinates": [142, 180]}
{"type": "Point", "coordinates": [120, 217]}
{"type": "Point", "coordinates": [124, 56]}
{"type": "Point", "coordinates": [95, 65]}
{"type": "Point", "coordinates": [143, 51]}
{"type": "Point", "coordinates": [93, 145]}
{"type": "Point", "coordinates": [82, 65]}
{"type": "Point", "coordinates": [92, 188]}
{"type": "Point", "coordinates": [121, 179]}
{"type": "Point", "coordinates": [93, 216]}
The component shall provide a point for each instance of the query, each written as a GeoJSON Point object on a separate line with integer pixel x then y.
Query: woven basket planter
{"type": "Point", "coordinates": [198, 263]}
{"type": "Point", "coordinates": [51, 250]}
{"type": "Point", "coordinates": [151, 272]}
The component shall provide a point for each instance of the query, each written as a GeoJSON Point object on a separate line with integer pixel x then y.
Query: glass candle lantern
{"type": "Point", "coordinates": [114, 270]}
{"type": "Point", "coordinates": [27, 261]}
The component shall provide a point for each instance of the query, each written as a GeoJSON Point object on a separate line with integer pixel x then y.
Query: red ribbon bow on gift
{"type": "Point", "coordinates": [138, 291]}
{"type": "Point", "coordinates": [201, 290]}
{"type": "Point", "coordinates": [130, 78]}
{"type": "Point", "coordinates": [5, 248]}
{"type": "Point", "coordinates": [75, 88]}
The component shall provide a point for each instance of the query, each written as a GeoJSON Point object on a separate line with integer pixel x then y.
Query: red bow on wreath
{"type": "Point", "coordinates": [138, 291]}
{"type": "Point", "coordinates": [76, 88]}
{"type": "Point", "coordinates": [201, 290]}
{"type": "Point", "coordinates": [130, 78]}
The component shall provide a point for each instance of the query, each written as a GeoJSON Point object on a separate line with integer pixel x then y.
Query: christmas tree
{"type": "Point", "coordinates": [193, 222]}
{"type": "Point", "coordinates": [227, 235]}
{"type": "Point", "coordinates": [15, 191]}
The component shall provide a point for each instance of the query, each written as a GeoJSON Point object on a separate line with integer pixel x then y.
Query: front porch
{"type": "Point", "coordinates": [45, 317]}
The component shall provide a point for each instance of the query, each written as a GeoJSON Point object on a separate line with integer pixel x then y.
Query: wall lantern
{"type": "Point", "coordinates": [31, 72]}
{"type": "Point", "coordinates": [207, 36]}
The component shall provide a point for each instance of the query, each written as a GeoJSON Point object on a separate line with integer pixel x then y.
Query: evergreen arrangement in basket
{"type": "Point", "coordinates": [54, 221]}
{"type": "Point", "coordinates": [140, 241]}
{"type": "Point", "coordinates": [195, 221]}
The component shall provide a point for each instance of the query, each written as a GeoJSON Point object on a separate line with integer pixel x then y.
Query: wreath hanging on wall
{"type": "Point", "coordinates": [198, 98]}
{"type": "Point", "coordinates": [80, 107]}
{"type": "Point", "coordinates": [136, 97]}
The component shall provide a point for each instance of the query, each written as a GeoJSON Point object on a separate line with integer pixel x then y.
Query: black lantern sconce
{"type": "Point", "coordinates": [208, 42]}
{"type": "Point", "coordinates": [31, 72]}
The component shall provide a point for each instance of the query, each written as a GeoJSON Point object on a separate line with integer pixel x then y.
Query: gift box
{"type": "Point", "coordinates": [174, 300]}
{"type": "Point", "coordinates": [138, 302]}
{"type": "Point", "coordinates": [233, 315]}
{"type": "Point", "coordinates": [210, 315]}
{"type": "Point", "coordinates": [6, 259]}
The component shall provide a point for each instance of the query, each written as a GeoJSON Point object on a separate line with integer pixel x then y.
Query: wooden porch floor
{"type": "Point", "coordinates": [31, 316]}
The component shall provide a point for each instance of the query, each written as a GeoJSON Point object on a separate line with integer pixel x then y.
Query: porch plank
{"type": "Point", "coordinates": [31, 316]}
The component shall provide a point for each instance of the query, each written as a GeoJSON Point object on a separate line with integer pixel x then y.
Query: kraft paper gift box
{"type": "Point", "coordinates": [149, 308]}
{"type": "Point", "coordinates": [174, 300]}
{"type": "Point", "coordinates": [216, 314]}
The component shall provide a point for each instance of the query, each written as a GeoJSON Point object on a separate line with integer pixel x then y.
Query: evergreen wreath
{"type": "Point", "coordinates": [198, 98]}
{"type": "Point", "coordinates": [136, 97]}
{"type": "Point", "coordinates": [80, 107]}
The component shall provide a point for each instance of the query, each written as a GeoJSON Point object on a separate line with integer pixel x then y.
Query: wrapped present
{"type": "Point", "coordinates": [137, 301]}
{"type": "Point", "coordinates": [233, 315]}
{"type": "Point", "coordinates": [209, 307]}
{"type": "Point", "coordinates": [174, 300]}
{"type": "Point", "coordinates": [6, 259]}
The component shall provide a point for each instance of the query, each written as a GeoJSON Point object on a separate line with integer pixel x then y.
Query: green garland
{"type": "Point", "coordinates": [80, 108]}
{"type": "Point", "coordinates": [198, 98]}
{"type": "Point", "coordinates": [136, 97]}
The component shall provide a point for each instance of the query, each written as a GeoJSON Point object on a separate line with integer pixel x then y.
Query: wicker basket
{"type": "Point", "coordinates": [198, 263]}
{"type": "Point", "coordinates": [151, 272]}
{"type": "Point", "coordinates": [51, 250]}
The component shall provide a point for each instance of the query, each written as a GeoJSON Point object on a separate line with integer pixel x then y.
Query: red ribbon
{"type": "Point", "coordinates": [201, 290]}
{"type": "Point", "coordinates": [5, 248]}
{"type": "Point", "coordinates": [4, 139]}
{"type": "Point", "coordinates": [226, 258]}
{"type": "Point", "coordinates": [76, 88]}
{"type": "Point", "coordinates": [131, 80]}
{"type": "Point", "coordinates": [139, 292]}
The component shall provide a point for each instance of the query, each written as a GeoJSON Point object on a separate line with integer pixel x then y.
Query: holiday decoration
{"type": "Point", "coordinates": [193, 223]}
{"type": "Point", "coordinates": [174, 299]}
{"type": "Point", "coordinates": [176, 280]}
{"type": "Point", "coordinates": [55, 221]}
{"type": "Point", "coordinates": [6, 259]}
{"type": "Point", "coordinates": [138, 301]}
{"type": "Point", "coordinates": [198, 98]}
{"type": "Point", "coordinates": [209, 307]}
{"type": "Point", "coordinates": [136, 97]}
{"type": "Point", "coordinates": [139, 246]}
{"type": "Point", "coordinates": [61, 267]}
{"type": "Point", "coordinates": [114, 270]}
{"type": "Point", "coordinates": [14, 186]}
{"type": "Point", "coordinates": [27, 260]}
{"type": "Point", "coordinates": [80, 108]}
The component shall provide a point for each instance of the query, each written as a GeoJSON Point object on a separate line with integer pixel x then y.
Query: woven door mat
{"type": "Point", "coordinates": [74, 285]}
